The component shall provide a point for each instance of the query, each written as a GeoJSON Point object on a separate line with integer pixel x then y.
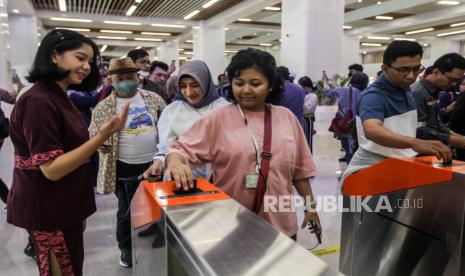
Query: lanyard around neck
{"type": "Point", "coordinates": [258, 158]}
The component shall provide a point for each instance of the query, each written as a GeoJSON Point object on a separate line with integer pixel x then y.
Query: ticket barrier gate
{"type": "Point", "coordinates": [421, 234]}
{"type": "Point", "coordinates": [205, 232]}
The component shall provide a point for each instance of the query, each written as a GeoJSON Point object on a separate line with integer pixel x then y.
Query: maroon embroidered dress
{"type": "Point", "coordinates": [44, 125]}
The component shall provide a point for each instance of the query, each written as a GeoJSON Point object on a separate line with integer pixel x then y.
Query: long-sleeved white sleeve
{"type": "Point", "coordinates": [166, 136]}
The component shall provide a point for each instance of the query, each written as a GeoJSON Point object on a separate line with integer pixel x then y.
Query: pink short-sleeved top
{"type": "Point", "coordinates": [221, 137]}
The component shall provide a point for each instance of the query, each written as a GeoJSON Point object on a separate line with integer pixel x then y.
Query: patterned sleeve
{"type": "Point", "coordinates": [96, 121]}
{"type": "Point", "coordinates": [41, 125]}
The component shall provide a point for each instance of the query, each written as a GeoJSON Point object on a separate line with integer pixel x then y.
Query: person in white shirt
{"type": "Point", "coordinates": [310, 103]}
{"type": "Point", "coordinates": [129, 152]}
{"type": "Point", "coordinates": [196, 97]}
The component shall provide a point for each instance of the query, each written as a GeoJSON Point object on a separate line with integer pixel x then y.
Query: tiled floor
{"type": "Point", "coordinates": [101, 252]}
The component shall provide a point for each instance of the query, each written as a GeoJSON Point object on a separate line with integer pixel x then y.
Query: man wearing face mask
{"type": "Point", "coordinates": [445, 72]}
{"type": "Point", "coordinates": [127, 153]}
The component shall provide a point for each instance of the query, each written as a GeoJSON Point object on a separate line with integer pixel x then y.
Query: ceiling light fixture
{"type": "Point", "coordinates": [451, 33]}
{"type": "Point", "coordinates": [62, 5]}
{"type": "Point", "coordinates": [273, 8]}
{"type": "Point", "coordinates": [168, 25]}
{"type": "Point", "coordinates": [70, 19]}
{"type": "Point", "coordinates": [209, 3]}
{"type": "Point", "coordinates": [379, 37]}
{"type": "Point", "coordinates": [131, 10]}
{"type": "Point", "coordinates": [404, 38]}
{"type": "Point", "coordinates": [192, 14]}
{"type": "Point", "coordinates": [379, 2]}
{"type": "Point", "coordinates": [372, 44]}
{"type": "Point", "coordinates": [138, 47]}
{"type": "Point", "coordinates": [112, 37]}
{"type": "Point", "coordinates": [384, 17]}
{"type": "Point", "coordinates": [147, 39]}
{"type": "Point", "coordinates": [244, 19]}
{"type": "Point", "coordinates": [420, 31]}
{"type": "Point", "coordinates": [189, 41]}
{"type": "Point", "coordinates": [139, 1]}
{"type": "Point", "coordinates": [457, 24]}
{"type": "Point", "coordinates": [226, 29]}
{"type": "Point", "coordinates": [116, 32]}
{"type": "Point", "coordinates": [448, 2]}
{"type": "Point", "coordinates": [151, 33]}
{"type": "Point", "coordinates": [122, 23]}
{"type": "Point", "coordinates": [346, 27]}
{"type": "Point", "coordinates": [266, 44]}
{"type": "Point", "coordinates": [74, 29]}
{"type": "Point", "coordinates": [180, 49]}
{"type": "Point", "coordinates": [104, 47]}
{"type": "Point", "coordinates": [188, 53]}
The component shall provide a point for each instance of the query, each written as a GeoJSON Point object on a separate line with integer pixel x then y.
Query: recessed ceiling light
{"type": "Point", "coordinates": [404, 38]}
{"type": "Point", "coordinates": [147, 39]}
{"type": "Point", "coordinates": [180, 49]}
{"type": "Point", "coordinates": [379, 3]}
{"type": "Point", "coordinates": [131, 10]}
{"type": "Point", "coordinates": [195, 27]}
{"type": "Point", "coordinates": [420, 31]}
{"type": "Point", "coordinates": [116, 32]}
{"type": "Point", "coordinates": [70, 19]}
{"type": "Point", "coordinates": [138, 47]}
{"type": "Point", "coordinates": [379, 37]}
{"type": "Point", "coordinates": [273, 8]}
{"type": "Point", "coordinates": [168, 25]}
{"type": "Point", "coordinates": [189, 41]}
{"type": "Point", "coordinates": [74, 29]}
{"type": "Point", "coordinates": [209, 3]}
{"type": "Point", "coordinates": [122, 23]}
{"type": "Point", "coordinates": [112, 37]}
{"type": "Point", "coordinates": [151, 33]}
{"type": "Point", "coordinates": [226, 29]}
{"type": "Point", "coordinates": [384, 17]}
{"type": "Point", "coordinates": [244, 19]}
{"type": "Point", "coordinates": [425, 45]}
{"type": "Point", "coordinates": [372, 44]}
{"type": "Point", "coordinates": [448, 2]}
{"type": "Point", "coordinates": [457, 24]}
{"type": "Point", "coordinates": [188, 53]}
{"type": "Point", "coordinates": [346, 27]}
{"type": "Point", "coordinates": [62, 5]}
{"type": "Point", "coordinates": [190, 15]}
{"type": "Point", "coordinates": [451, 33]}
{"type": "Point", "coordinates": [104, 47]}
{"type": "Point", "coordinates": [15, 11]}
{"type": "Point", "coordinates": [364, 52]}
{"type": "Point", "coordinates": [360, 1]}
{"type": "Point", "coordinates": [266, 44]}
{"type": "Point", "coordinates": [138, 1]}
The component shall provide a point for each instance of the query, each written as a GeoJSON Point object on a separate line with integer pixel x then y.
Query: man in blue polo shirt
{"type": "Point", "coordinates": [387, 116]}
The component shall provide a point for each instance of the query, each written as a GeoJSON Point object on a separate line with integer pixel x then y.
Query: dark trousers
{"type": "Point", "coordinates": [3, 187]}
{"type": "Point", "coordinates": [3, 191]}
{"type": "Point", "coordinates": [123, 216]}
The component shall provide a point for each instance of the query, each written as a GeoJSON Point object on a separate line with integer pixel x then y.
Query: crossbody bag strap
{"type": "Point", "coordinates": [265, 163]}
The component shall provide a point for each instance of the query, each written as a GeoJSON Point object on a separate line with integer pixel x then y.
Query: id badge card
{"type": "Point", "coordinates": [251, 180]}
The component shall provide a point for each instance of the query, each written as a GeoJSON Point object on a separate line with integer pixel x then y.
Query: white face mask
{"type": "Point", "coordinates": [142, 74]}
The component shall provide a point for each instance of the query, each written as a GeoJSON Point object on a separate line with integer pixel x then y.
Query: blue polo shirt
{"type": "Point", "coordinates": [395, 107]}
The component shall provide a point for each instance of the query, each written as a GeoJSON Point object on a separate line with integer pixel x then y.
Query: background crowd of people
{"type": "Point", "coordinates": [82, 127]}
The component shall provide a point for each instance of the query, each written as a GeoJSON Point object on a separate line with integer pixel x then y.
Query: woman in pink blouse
{"type": "Point", "coordinates": [235, 139]}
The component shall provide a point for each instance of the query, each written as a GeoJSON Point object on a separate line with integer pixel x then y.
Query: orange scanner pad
{"type": "Point", "coordinates": [395, 174]}
{"type": "Point", "coordinates": [146, 204]}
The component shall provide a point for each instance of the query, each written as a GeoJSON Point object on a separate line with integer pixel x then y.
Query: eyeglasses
{"type": "Point", "coordinates": [452, 80]}
{"type": "Point", "coordinates": [407, 70]}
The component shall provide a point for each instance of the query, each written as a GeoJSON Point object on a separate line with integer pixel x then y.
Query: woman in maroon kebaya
{"type": "Point", "coordinates": [52, 194]}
